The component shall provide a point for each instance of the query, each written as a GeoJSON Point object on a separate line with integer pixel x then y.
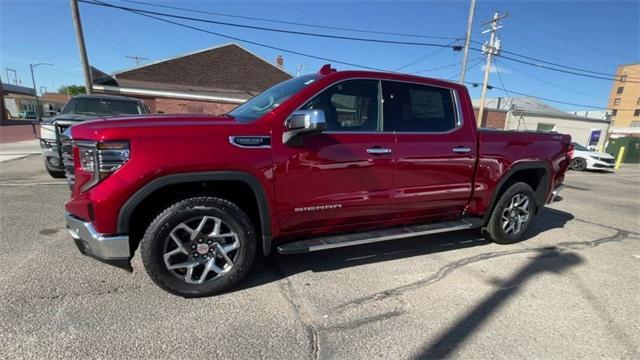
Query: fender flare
{"type": "Point", "coordinates": [541, 192]}
{"type": "Point", "coordinates": [124, 215]}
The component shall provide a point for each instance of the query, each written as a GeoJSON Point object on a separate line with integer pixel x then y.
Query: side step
{"type": "Point", "coordinates": [336, 241]}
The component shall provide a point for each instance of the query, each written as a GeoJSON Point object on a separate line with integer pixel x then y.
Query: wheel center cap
{"type": "Point", "coordinates": [202, 249]}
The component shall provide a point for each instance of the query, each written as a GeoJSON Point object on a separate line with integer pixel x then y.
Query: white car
{"type": "Point", "coordinates": [585, 159]}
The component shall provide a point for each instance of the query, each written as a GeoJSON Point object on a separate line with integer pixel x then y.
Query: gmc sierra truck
{"type": "Point", "coordinates": [316, 162]}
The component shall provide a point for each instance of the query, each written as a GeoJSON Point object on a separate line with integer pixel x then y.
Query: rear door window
{"type": "Point", "coordinates": [417, 108]}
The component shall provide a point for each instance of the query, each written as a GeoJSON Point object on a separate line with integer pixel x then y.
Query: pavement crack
{"type": "Point", "coordinates": [63, 296]}
{"type": "Point", "coordinates": [286, 287]}
{"type": "Point", "coordinates": [447, 269]}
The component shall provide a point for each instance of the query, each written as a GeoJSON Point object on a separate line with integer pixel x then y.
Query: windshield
{"type": "Point", "coordinates": [579, 147]}
{"type": "Point", "coordinates": [105, 106]}
{"type": "Point", "coordinates": [271, 98]}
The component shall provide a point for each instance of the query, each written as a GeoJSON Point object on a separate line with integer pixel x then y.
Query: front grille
{"type": "Point", "coordinates": [67, 160]}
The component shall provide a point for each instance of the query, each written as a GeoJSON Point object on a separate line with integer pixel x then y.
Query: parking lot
{"type": "Point", "coordinates": [570, 291]}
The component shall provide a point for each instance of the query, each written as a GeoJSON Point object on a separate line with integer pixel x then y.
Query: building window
{"type": "Point", "coordinates": [623, 78]}
{"type": "Point", "coordinates": [620, 90]}
{"type": "Point", "coordinates": [638, 101]}
{"type": "Point", "coordinates": [636, 113]}
{"type": "Point", "coordinates": [546, 127]}
{"type": "Point", "coordinates": [614, 112]}
{"type": "Point", "coordinates": [616, 101]}
{"type": "Point", "coordinates": [635, 124]}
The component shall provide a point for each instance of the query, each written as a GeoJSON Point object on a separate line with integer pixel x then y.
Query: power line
{"type": "Point", "coordinates": [561, 70]}
{"type": "Point", "coordinates": [551, 83]}
{"type": "Point", "coordinates": [565, 66]}
{"type": "Point", "coordinates": [339, 61]}
{"type": "Point", "coordinates": [476, 63]}
{"type": "Point", "coordinates": [454, 47]}
{"type": "Point", "coordinates": [474, 84]}
{"type": "Point", "coordinates": [423, 57]}
{"type": "Point", "coordinates": [437, 68]}
{"type": "Point", "coordinates": [113, 31]}
{"type": "Point", "coordinates": [292, 22]}
{"type": "Point", "coordinates": [303, 33]}
{"type": "Point", "coordinates": [502, 83]}
{"type": "Point", "coordinates": [251, 42]}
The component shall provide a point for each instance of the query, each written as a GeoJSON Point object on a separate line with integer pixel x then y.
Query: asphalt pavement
{"type": "Point", "coordinates": [570, 291]}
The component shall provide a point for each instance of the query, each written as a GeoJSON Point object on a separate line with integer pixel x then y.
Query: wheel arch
{"type": "Point", "coordinates": [129, 208]}
{"type": "Point", "coordinates": [536, 174]}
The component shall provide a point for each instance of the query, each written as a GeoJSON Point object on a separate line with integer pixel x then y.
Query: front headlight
{"type": "Point", "coordinates": [48, 144]}
{"type": "Point", "coordinates": [101, 159]}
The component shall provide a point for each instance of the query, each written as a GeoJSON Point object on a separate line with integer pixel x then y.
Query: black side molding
{"type": "Point", "coordinates": [540, 193]}
{"type": "Point", "coordinates": [130, 205]}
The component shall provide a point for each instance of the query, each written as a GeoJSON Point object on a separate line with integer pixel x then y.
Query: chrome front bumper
{"type": "Point", "coordinates": [113, 250]}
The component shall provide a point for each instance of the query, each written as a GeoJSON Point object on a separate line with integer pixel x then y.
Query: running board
{"type": "Point", "coordinates": [336, 241]}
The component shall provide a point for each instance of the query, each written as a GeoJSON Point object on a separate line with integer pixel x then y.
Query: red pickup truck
{"type": "Point", "coordinates": [316, 162]}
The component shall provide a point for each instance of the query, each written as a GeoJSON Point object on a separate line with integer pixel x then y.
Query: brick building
{"type": "Point", "coordinates": [211, 81]}
{"type": "Point", "coordinates": [624, 99]}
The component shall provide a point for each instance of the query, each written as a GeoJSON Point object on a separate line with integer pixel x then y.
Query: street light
{"type": "Point", "coordinates": [38, 109]}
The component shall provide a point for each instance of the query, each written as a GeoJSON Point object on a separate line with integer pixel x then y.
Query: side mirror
{"type": "Point", "coordinates": [303, 122]}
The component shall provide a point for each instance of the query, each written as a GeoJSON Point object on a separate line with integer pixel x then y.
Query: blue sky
{"type": "Point", "coordinates": [586, 34]}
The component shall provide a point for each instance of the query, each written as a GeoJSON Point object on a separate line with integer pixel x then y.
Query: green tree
{"type": "Point", "coordinates": [72, 90]}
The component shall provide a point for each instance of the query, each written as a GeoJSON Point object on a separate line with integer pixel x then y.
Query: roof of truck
{"type": "Point", "coordinates": [104, 96]}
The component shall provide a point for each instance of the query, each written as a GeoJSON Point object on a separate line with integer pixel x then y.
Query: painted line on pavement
{"type": "Point", "coordinates": [35, 183]}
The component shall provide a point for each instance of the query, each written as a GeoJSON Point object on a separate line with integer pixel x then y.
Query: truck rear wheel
{"type": "Point", "coordinates": [512, 215]}
{"type": "Point", "coordinates": [200, 246]}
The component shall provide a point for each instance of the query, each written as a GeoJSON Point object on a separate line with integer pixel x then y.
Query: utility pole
{"type": "Point", "coordinates": [75, 13]}
{"type": "Point", "coordinates": [467, 41]}
{"type": "Point", "coordinates": [3, 112]}
{"type": "Point", "coordinates": [299, 69]}
{"type": "Point", "coordinates": [15, 76]}
{"type": "Point", "coordinates": [35, 91]}
{"type": "Point", "coordinates": [137, 59]}
{"type": "Point", "coordinates": [491, 49]}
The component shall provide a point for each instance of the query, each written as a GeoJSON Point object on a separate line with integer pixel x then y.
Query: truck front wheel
{"type": "Point", "coordinates": [200, 246]}
{"type": "Point", "coordinates": [512, 215]}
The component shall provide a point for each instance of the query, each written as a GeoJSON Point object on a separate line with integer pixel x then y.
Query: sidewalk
{"type": "Point", "coordinates": [18, 149]}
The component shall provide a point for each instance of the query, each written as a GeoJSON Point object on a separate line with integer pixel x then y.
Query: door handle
{"type": "Point", "coordinates": [378, 151]}
{"type": "Point", "coordinates": [461, 149]}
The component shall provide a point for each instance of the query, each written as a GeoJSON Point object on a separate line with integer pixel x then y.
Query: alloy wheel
{"type": "Point", "coordinates": [201, 249]}
{"type": "Point", "coordinates": [516, 215]}
{"type": "Point", "coordinates": [579, 164]}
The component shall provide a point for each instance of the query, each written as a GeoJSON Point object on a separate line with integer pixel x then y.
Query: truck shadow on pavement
{"type": "Point", "coordinates": [445, 343]}
{"type": "Point", "coordinates": [276, 267]}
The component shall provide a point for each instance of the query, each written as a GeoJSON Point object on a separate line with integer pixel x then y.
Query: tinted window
{"type": "Point", "coordinates": [417, 108]}
{"type": "Point", "coordinates": [97, 106]}
{"type": "Point", "coordinates": [271, 98]}
{"type": "Point", "coordinates": [349, 105]}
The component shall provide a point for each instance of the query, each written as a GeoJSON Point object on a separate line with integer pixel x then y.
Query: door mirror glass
{"type": "Point", "coordinates": [303, 122]}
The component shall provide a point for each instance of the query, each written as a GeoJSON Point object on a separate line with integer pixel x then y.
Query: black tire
{"type": "Point", "coordinates": [578, 164]}
{"type": "Point", "coordinates": [494, 229]}
{"type": "Point", "coordinates": [56, 174]}
{"type": "Point", "coordinates": [157, 237]}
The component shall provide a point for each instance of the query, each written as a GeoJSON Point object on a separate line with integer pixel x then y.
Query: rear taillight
{"type": "Point", "coordinates": [570, 152]}
{"type": "Point", "coordinates": [100, 159]}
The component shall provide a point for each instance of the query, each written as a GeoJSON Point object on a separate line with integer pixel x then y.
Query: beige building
{"type": "Point", "coordinates": [531, 114]}
{"type": "Point", "coordinates": [624, 100]}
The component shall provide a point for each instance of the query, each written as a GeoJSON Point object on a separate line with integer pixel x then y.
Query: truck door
{"type": "Point", "coordinates": [342, 176]}
{"type": "Point", "coordinates": [435, 150]}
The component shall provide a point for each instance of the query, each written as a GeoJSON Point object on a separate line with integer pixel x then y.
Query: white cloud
{"type": "Point", "coordinates": [494, 69]}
